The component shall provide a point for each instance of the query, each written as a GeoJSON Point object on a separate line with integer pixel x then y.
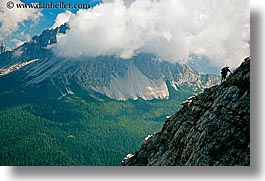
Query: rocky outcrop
{"type": "Point", "coordinates": [212, 128]}
{"type": "Point", "coordinates": [3, 48]}
{"type": "Point", "coordinates": [15, 67]}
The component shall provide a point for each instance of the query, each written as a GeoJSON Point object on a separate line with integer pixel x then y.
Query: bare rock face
{"type": "Point", "coordinates": [144, 76]}
{"type": "Point", "coordinates": [2, 48]}
{"type": "Point", "coordinates": [212, 128]}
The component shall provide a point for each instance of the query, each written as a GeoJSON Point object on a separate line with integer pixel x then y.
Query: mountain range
{"type": "Point", "coordinates": [84, 110]}
{"type": "Point", "coordinates": [145, 76]}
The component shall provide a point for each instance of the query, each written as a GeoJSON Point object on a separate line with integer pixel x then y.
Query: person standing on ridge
{"type": "Point", "coordinates": [224, 72]}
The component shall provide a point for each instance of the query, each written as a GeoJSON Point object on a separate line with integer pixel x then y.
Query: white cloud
{"type": "Point", "coordinates": [17, 42]}
{"type": "Point", "coordinates": [21, 38]}
{"type": "Point", "coordinates": [25, 36]}
{"type": "Point", "coordinates": [171, 29]}
{"type": "Point", "coordinates": [11, 19]}
{"type": "Point", "coordinates": [62, 18]}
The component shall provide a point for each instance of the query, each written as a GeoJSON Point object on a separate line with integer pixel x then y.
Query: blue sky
{"type": "Point", "coordinates": [170, 29]}
{"type": "Point", "coordinates": [29, 28]}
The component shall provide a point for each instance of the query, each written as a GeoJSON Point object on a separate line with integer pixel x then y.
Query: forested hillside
{"type": "Point", "coordinates": [75, 130]}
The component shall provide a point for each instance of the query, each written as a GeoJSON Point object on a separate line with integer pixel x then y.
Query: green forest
{"type": "Point", "coordinates": [77, 130]}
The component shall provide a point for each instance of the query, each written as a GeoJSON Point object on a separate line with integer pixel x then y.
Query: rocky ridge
{"type": "Point", "coordinates": [212, 128]}
{"type": "Point", "coordinates": [144, 76]}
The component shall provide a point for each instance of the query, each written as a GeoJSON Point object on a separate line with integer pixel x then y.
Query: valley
{"type": "Point", "coordinates": [85, 110]}
{"type": "Point", "coordinates": [77, 130]}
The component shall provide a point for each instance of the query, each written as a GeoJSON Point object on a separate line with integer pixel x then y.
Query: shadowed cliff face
{"type": "Point", "coordinates": [212, 128]}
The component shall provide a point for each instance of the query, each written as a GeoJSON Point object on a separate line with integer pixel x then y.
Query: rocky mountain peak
{"type": "Point", "coordinates": [49, 36]}
{"type": "Point", "coordinates": [212, 128]}
{"type": "Point", "coordinates": [4, 48]}
{"type": "Point", "coordinates": [144, 76]}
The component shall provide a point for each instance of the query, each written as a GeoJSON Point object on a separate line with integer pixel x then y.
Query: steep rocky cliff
{"type": "Point", "coordinates": [212, 128]}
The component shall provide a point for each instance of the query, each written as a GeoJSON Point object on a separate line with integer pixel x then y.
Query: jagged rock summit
{"type": "Point", "coordinates": [144, 76]}
{"type": "Point", "coordinates": [212, 128]}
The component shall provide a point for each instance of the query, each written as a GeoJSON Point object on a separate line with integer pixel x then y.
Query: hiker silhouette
{"type": "Point", "coordinates": [224, 72]}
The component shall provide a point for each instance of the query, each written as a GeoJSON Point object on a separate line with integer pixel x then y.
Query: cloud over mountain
{"type": "Point", "coordinates": [171, 29]}
{"type": "Point", "coordinates": [62, 18]}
